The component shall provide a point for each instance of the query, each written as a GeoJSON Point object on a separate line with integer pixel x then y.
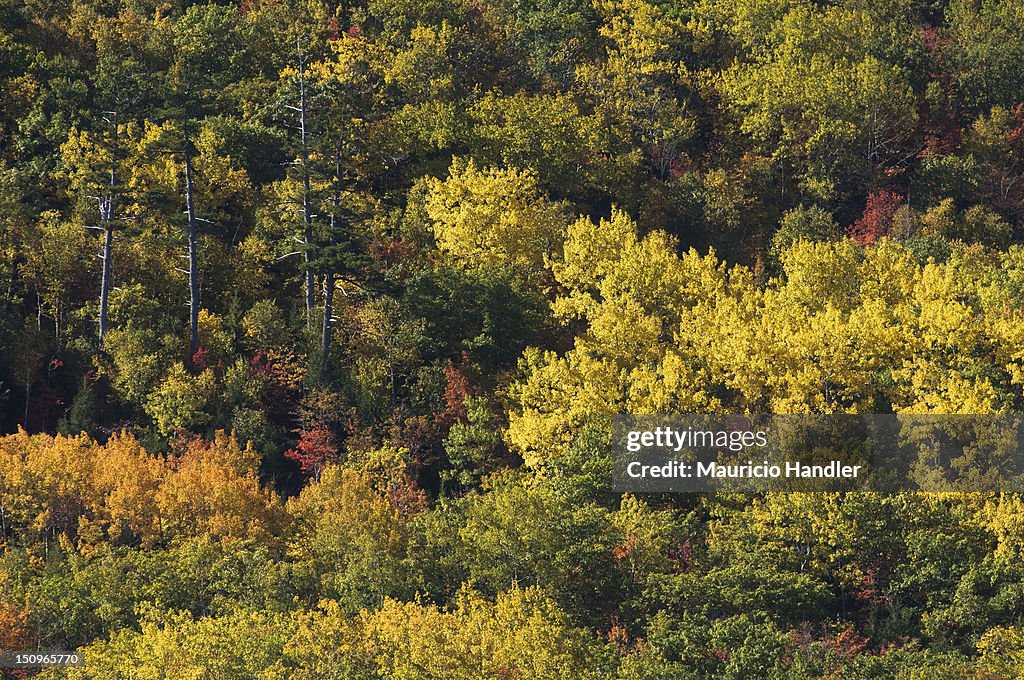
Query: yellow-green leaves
{"type": "Point", "coordinates": [639, 82]}
{"type": "Point", "coordinates": [523, 634]}
{"type": "Point", "coordinates": [830, 107]}
{"type": "Point", "coordinates": [485, 217]}
{"type": "Point", "coordinates": [843, 329]}
{"type": "Point", "coordinates": [640, 303]}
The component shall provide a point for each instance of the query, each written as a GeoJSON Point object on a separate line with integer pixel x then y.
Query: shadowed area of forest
{"type": "Point", "coordinates": [314, 318]}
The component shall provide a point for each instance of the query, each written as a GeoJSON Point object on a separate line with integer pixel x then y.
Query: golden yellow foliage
{"type": "Point", "coordinates": [524, 634]}
{"type": "Point", "coordinates": [118, 492]}
{"type": "Point", "coordinates": [486, 217]}
{"type": "Point", "coordinates": [843, 329]}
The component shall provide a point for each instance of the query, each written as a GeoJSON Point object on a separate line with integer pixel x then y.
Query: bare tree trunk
{"type": "Point", "coordinates": [325, 335]}
{"type": "Point", "coordinates": [307, 214]}
{"type": "Point", "coordinates": [108, 241]}
{"type": "Point", "coordinates": [107, 210]}
{"type": "Point", "coordinates": [193, 255]}
{"type": "Point", "coordinates": [325, 331]}
{"type": "Point", "coordinates": [107, 219]}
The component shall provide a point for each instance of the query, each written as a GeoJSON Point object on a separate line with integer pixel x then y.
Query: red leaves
{"type": "Point", "coordinates": [457, 389]}
{"type": "Point", "coordinates": [870, 594]}
{"type": "Point", "coordinates": [668, 162]}
{"type": "Point", "coordinates": [847, 643]}
{"type": "Point", "coordinates": [942, 140]}
{"type": "Point", "coordinates": [14, 628]}
{"type": "Point", "coordinates": [201, 362]}
{"type": "Point", "coordinates": [618, 635]}
{"type": "Point", "coordinates": [387, 253]}
{"type": "Point", "coordinates": [200, 359]}
{"type": "Point", "coordinates": [422, 436]}
{"type": "Point", "coordinates": [682, 553]}
{"type": "Point", "coordinates": [313, 450]}
{"type": "Point", "coordinates": [934, 39]}
{"type": "Point", "coordinates": [282, 375]}
{"type": "Point", "coordinates": [877, 218]}
{"type": "Point", "coordinates": [408, 499]}
{"type": "Point", "coordinates": [333, 29]}
{"type": "Point", "coordinates": [1016, 136]}
{"type": "Point", "coordinates": [624, 549]}
{"type": "Point", "coordinates": [14, 635]}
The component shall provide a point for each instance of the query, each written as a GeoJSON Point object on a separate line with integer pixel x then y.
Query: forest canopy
{"type": "Point", "coordinates": [313, 317]}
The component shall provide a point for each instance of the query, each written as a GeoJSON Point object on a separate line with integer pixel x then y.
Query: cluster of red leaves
{"type": "Point", "coordinates": [183, 443]}
{"type": "Point", "coordinates": [894, 645]}
{"type": "Point", "coordinates": [624, 549]}
{"type": "Point", "coordinates": [1017, 133]}
{"type": "Point", "coordinates": [201, 362]}
{"type": "Point", "coordinates": [847, 643]}
{"type": "Point", "coordinates": [618, 635]}
{"type": "Point", "coordinates": [457, 388]}
{"type": "Point", "coordinates": [408, 499]}
{"type": "Point", "coordinates": [387, 253]}
{"type": "Point", "coordinates": [942, 140]}
{"type": "Point", "coordinates": [246, 6]}
{"type": "Point", "coordinates": [315, 447]}
{"type": "Point", "coordinates": [869, 593]}
{"type": "Point", "coordinates": [13, 628]}
{"type": "Point", "coordinates": [934, 39]}
{"type": "Point", "coordinates": [281, 382]}
{"type": "Point", "coordinates": [941, 128]}
{"type": "Point", "coordinates": [668, 162]}
{"type": "Point", "coordinates": [843, 644]}
{"type": "Point", "coordinates": [201, 359]}
{"type": "Point", "coordinates": [422, 436]}
{"type": "Point", "coordinates": [14, 634]}
{"type": "Point", "coordinates": [333, 29]}
{"type": "Point", "coordinates": [877, 218]}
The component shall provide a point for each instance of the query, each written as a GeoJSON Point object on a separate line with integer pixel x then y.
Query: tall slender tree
{"type": "Point", "coordinates": [204, 62]}
{"type": "Point", "coordinates": [92, 162]}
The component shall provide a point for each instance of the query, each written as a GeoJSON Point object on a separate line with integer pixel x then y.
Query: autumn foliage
{"type": "Point", "coordinates": [119, 493]}
{"type": "Point", "coordinates": [876, 222]}
{"type": "Point", "coordinates": [315, 447]}
{"type": "Point", "coordinates": [315, 318]}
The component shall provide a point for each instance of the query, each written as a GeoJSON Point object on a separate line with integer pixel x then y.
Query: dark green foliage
{"type": "Point", "coordinates": [382, 198]}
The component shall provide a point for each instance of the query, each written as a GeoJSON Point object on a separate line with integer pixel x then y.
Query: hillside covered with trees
{"type": "Point", "coordinates": [313, 317]}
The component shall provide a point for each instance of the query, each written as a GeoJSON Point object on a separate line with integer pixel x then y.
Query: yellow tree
{"type": "Point", "coordinates": [487, 217]}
